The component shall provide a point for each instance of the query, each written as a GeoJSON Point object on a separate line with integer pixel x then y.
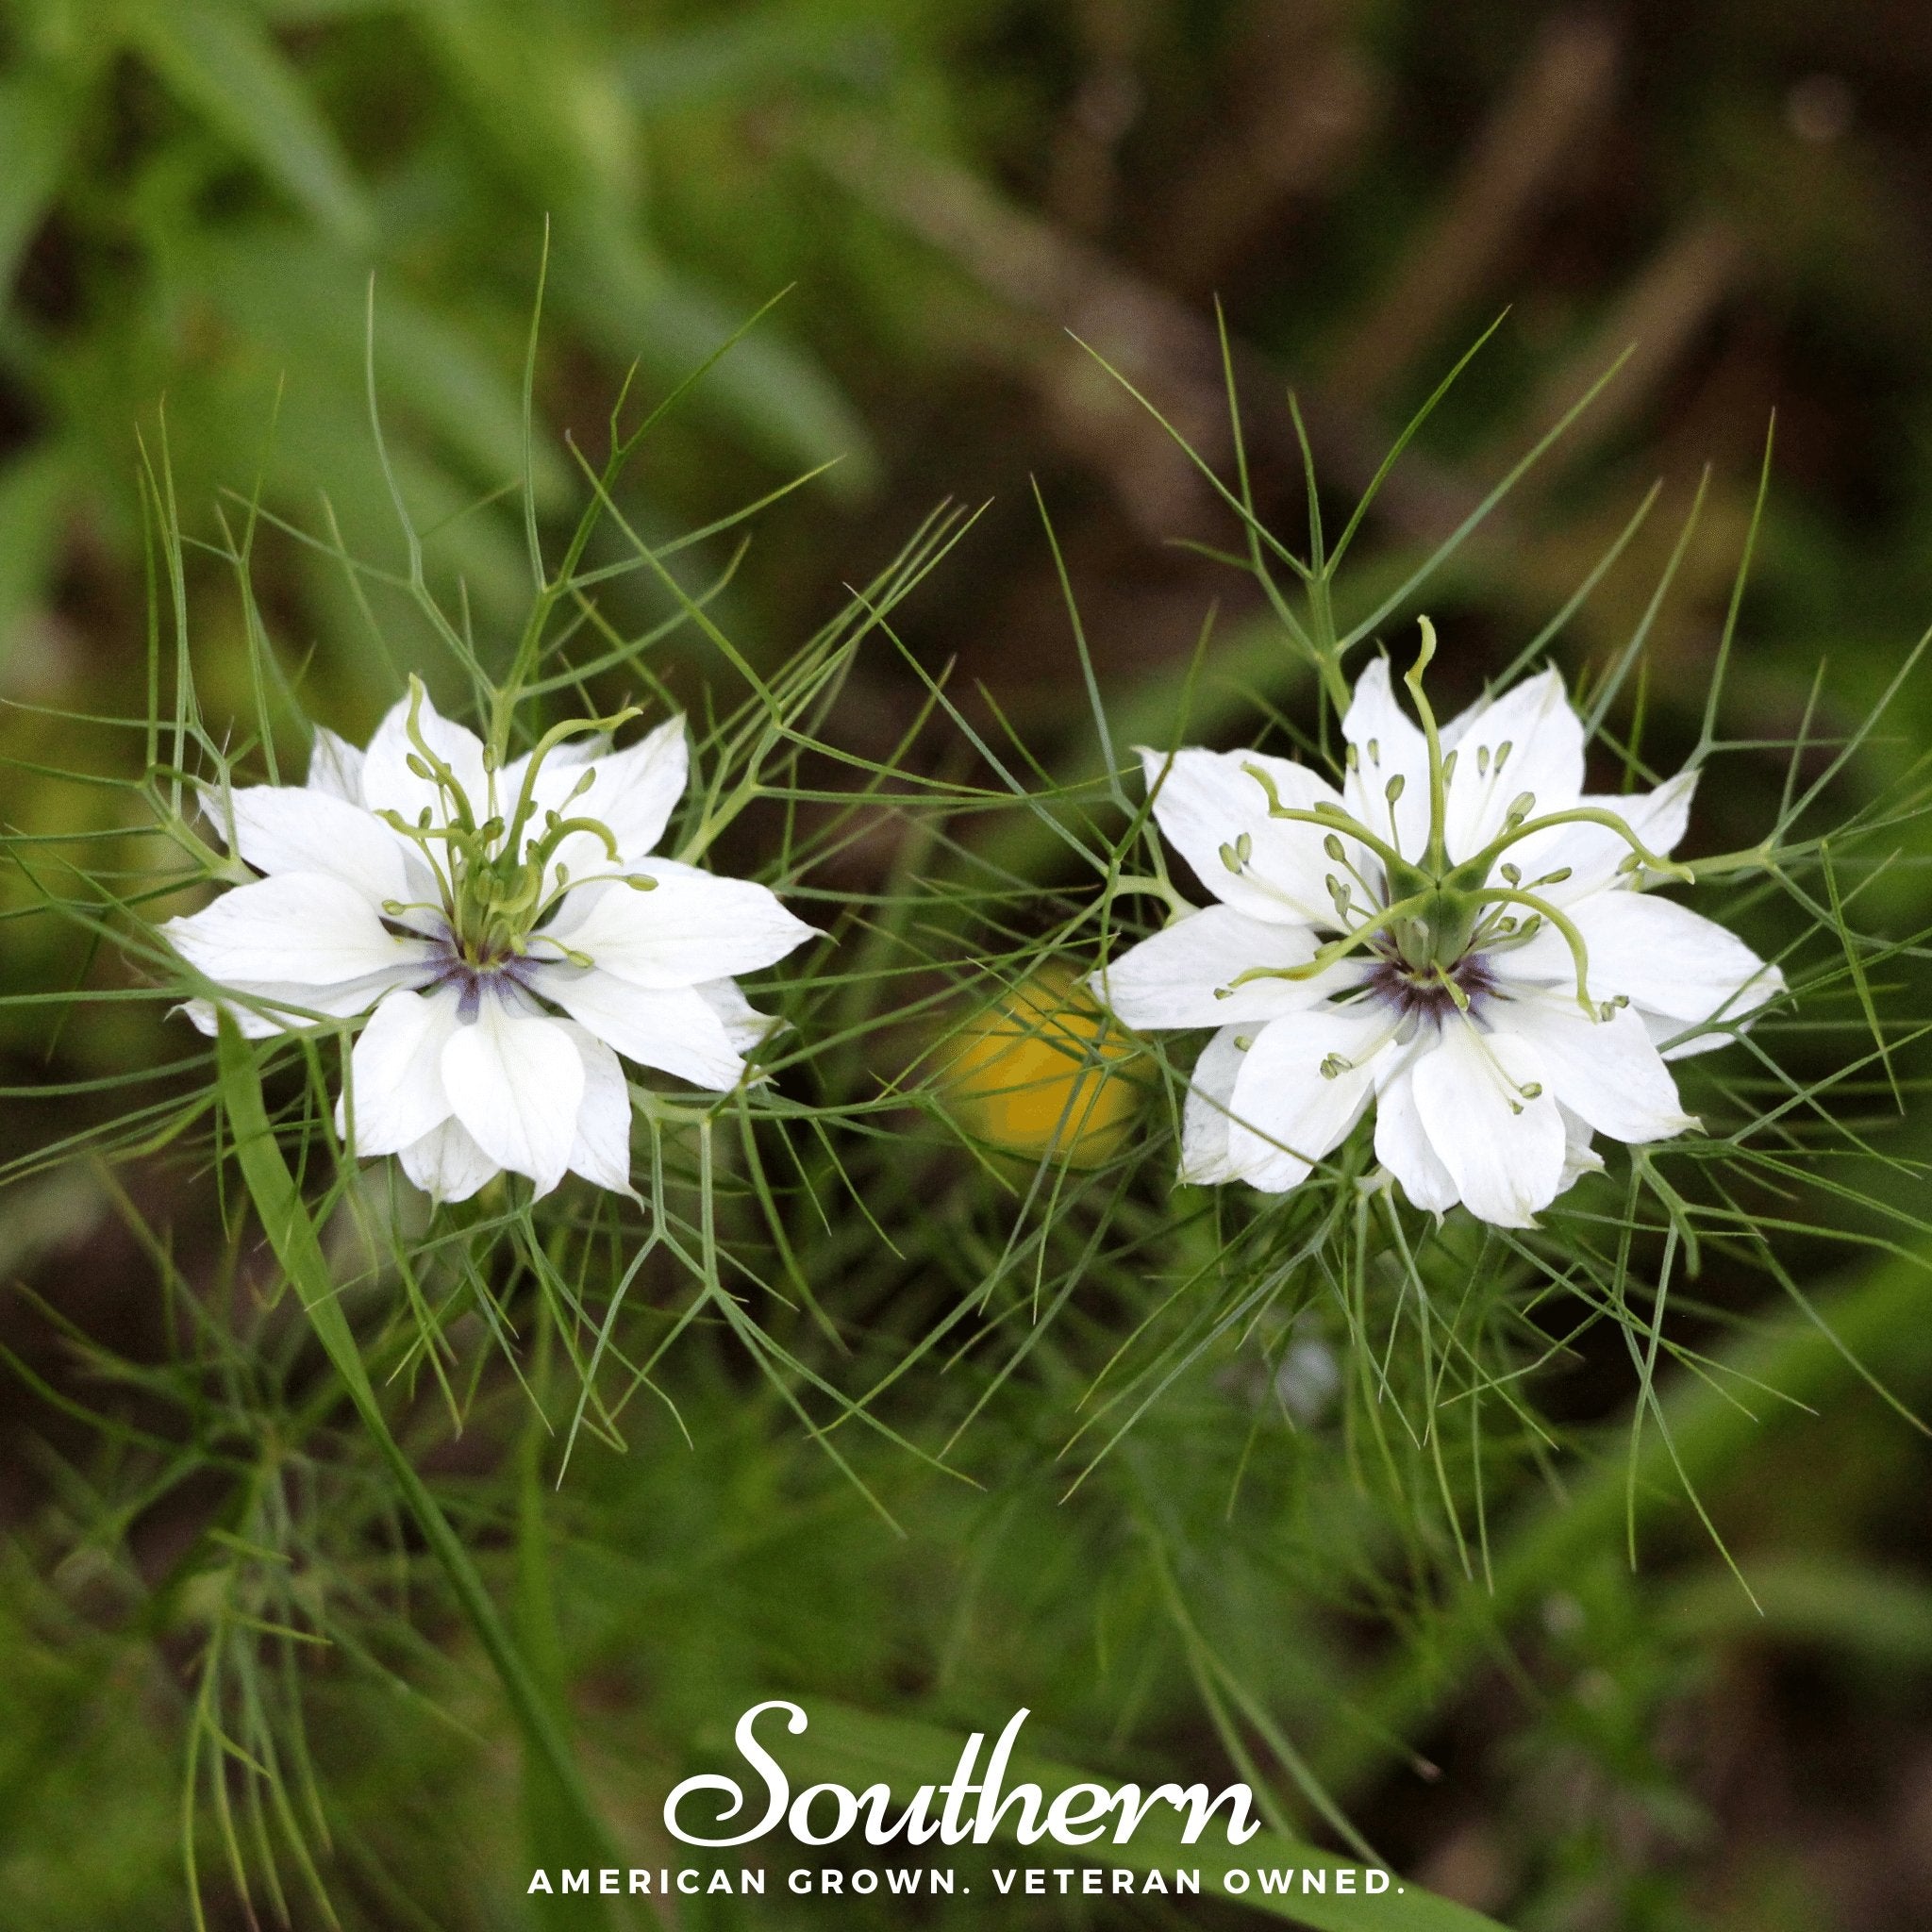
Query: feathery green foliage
{"type": "Point", "coordinates": [859, 1396]}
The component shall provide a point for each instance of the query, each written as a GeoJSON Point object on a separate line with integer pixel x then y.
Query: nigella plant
{"type": "Point", "coordinates": [527, 1007]}
{"type": "Point", "coordinates": [531, 1068]}
{"type": "Point", "coordinates": [1477, 1043]}
{"type": "Point", "coordinates": [614, 1054]}
{"type": "Point", "coordinates": [1455, 938]}
{"type": "Point", "coordinates": [507, 929]}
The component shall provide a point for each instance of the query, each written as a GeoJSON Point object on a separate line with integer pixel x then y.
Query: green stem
{"type": "Point", "coordinates": [291, 1234]}
{"type": "Point", "coordinates": [1755, 858]}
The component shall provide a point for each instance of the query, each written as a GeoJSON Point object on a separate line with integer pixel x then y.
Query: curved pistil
{"type": "Point", "coordinates": [1427, 924]}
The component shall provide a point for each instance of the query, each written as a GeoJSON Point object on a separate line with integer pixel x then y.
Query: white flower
{"type": "Point", "coordinates": [1456, 936]}
{"type": "Point", "coordinates": [503, 929]}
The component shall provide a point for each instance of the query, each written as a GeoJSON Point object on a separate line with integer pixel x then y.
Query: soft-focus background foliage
{"type": "Point", "coordinates": [194, 194]}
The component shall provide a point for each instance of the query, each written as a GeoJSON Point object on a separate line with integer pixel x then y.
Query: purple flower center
{"type": "Point", "coordinates": [450, 967]}
{"type": "Point", "coordinates": [1425, 993]}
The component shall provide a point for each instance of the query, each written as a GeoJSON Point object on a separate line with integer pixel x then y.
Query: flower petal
{"type": "Point", "coordinates": [340, 1002]}
{"type": "Point", "coordinates": [515, 1081]}
{"type": "Point", "coordinates": [1607, 1072]}
{"type": "Point", "coordinates": [397, 1070]}
{"type": "Point", "coordinates": [744, 1025]}
{"type": "Point", "coordinates": [1579, 1158]}
{"type": "Point", "coordinates": [1388, 745]}
{"type": "Point", "coordinates": [295, 929]}
{"type": "Point", "coordinates": [1670, 960]}
{"type": "Point", "coordinates": [1204, 799]}
{"type": "Point", "coordinates": [335, 767]}
{"type": "Point", "coordinates": [1177, 977]}
{"type": "Point", "coordinates": [1205, 1119]}
{"type": "Point", "coordinates": [601, 1152]}
{"type": "Point", "coordinates": [1527, 740]}
{"type": "Point", "coordinates": [1288, 1113]}
{"type": "Point", "coordinates": [1505, 1153]}
{"type": "Point", "coordinates": [677, 1030]}
{"type": "Point", "coordinates": [1404, 1147]}
{"type": "Point", "coordinates": [283, 828]}
{"type": "Point", "coordinates": [447, 1164]}
{"type": "Point", "coordinates": [691, 928]}
{"type": "Point", "coordinates": [389, 784]}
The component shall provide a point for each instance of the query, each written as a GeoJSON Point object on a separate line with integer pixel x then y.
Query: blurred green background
{"type": "Point", "coordinates": [194, 198]}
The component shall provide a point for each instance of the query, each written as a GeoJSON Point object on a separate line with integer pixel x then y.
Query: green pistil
{"type": "Point", "coordinates": [1390, 919]}
{"type": "Point", "coordinates": [426, 763]}
{"type": "Point", "coordinates": [494, 892]}
{"type": "Point", "coordinates": [1435, 859]}
{"type": "Point", "coordinates": [1439, 914]}
{"type": "Point", "coordinates": [556, 735]}
{"type": "Point", "coordinates": [1403, 874]}
{"type": "Point", "coordinates": [1579, 953]}
{"type": "Point", "coordinates": [1476, 869]}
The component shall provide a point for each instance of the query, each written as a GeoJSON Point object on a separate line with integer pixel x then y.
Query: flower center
{"type": "Point", "coordinates": [448, 966]}
{"type": "Point", "coordinates": [1428, 922]}
{"type": "Point", "coordinates": [1431, 992]}
{"type": "Point", "coordinates": [498, 879]}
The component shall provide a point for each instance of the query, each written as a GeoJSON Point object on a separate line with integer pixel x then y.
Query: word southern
{"type": "Point", "coordinates": [972, 1805]}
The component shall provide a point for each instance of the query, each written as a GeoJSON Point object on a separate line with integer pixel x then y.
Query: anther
{"type": "Point", "coordinates": [1332, 846]}
{"type": "Point", "coordinates": [1449, 766]}
{"type": "Point", "coordinates": [1395, 788]}
{"type": "Point", "coordinates": [1335, 1066]}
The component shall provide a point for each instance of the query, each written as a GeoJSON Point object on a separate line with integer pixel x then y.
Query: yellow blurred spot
{"type": "Point", "coordinates": [1035, 1073]}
